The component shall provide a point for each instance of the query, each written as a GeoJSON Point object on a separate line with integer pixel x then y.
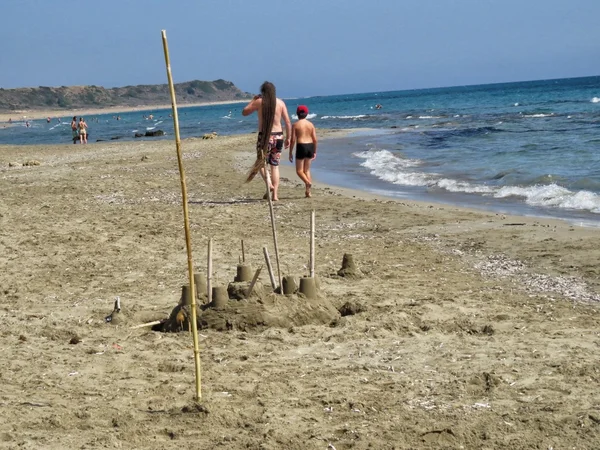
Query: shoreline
{"type": "Point", "coordinates": [42, 114]}
{"type": "Point", "coordinates": [455, 318]}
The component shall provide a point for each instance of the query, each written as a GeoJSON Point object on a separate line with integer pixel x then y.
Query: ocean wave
{"type": "Point", "coordinates": [539, 115]}
{"type": "Point", "coordinates": [388, 167]}
{"type": "Point", "coordinates": [309, 116]}
{"type": "Point", "coordinates": [359, 116]}
{"type": "Point", "coordinates": [596, 100]}
{"type": "Point", "coordinates": [451, 185]}
{"type": "Point", "coordinates": [552, 195]}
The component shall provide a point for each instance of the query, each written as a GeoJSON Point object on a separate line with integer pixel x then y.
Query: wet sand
{"type": "Point", "coordinates": [464, 329]}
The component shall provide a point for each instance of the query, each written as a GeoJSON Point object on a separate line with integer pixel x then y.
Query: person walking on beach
{"type": "Point", "coordinates": [82, 131]}
{"type": "Point", "coordinates": [271, 140]}
{"type": "Point", "coordinates": [74, 129]}
{"type": "Point", "coordinates": [304, 137]}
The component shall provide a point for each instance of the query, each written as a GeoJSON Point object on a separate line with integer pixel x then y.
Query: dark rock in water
{"type": "Point", "coordinates": [114, 138]}
{"type": "Point", "coordinates": [99, 140]}
{"type": "Point", "coordinates": [76, 138]}
{"type": "Point", "coordinates": [138, 135]}
{"type": "Point", "coordinates": [394, 126]}
{"type": "Point", "coordinates": [155, 133]}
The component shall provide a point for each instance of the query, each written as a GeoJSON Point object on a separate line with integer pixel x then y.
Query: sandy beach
{"type": "Point", "coordinates": [38, 114]}
{"type": "Point", "coordinates": [460, 328]}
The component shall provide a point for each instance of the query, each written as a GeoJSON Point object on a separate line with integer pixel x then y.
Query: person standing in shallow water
{"type": "Point", "coordinates": [304, 137]}
{"type": "Point", "coordinates": [74, 129]}
{"type": "Point", "coordinates": [82, 131]}
{"type": "Point", "coordinates": [271, 139]}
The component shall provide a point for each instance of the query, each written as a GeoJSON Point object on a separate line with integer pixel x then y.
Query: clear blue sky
{"type": "Point", "coordinates": [306, 47]}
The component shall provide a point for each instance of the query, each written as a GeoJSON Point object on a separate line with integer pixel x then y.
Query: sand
{"type": "Point", "coordinates": [463, 329]}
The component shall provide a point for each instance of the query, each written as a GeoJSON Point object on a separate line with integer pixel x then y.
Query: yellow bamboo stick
{"type": "Point", "coordinates": [185, 217]}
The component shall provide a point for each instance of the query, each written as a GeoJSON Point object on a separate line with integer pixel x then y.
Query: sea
{"type": "Point", "coordinates": [528, 148]}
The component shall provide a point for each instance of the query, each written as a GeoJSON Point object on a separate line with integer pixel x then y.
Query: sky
{"type": "Point", "coordinates": [305, 47]}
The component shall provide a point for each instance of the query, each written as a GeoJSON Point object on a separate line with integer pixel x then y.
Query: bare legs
{"type": "Point", "coordinates": [272, 181]}
{"type": "Point", "coordinates": [303, 171]}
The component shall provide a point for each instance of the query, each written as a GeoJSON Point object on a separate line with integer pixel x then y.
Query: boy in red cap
{"type": "Point", "coordinates": [304, 138]}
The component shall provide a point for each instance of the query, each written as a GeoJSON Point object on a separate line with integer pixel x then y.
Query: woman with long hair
{"type": "Point", "coordinates": [270, 142]}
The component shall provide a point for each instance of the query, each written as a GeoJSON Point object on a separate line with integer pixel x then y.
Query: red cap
{"type": "Point", "coordinates": [302, 110]}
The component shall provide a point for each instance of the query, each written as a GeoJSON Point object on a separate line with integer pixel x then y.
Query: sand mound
{"type": "Point", "coordinates": [263, 309]}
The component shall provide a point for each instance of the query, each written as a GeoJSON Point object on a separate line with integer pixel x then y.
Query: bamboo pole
{"type": "Point", "coordinates": [209, 273]}
{"type": "Point", "coordinates": [269, 268]}
{"type": "Point", "coordinates": [273, 227]}
{"type": "Point", "coordinates": [312, 243]}
{"type": "Point", "coordinates": [185, 217]}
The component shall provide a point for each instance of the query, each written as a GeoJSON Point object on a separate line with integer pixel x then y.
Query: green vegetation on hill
{"type": "Point", "coordinates": [68, 97]}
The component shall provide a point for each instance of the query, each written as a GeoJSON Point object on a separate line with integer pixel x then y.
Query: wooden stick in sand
{"type": "Point", "coordinates": [273, 227]}
{"type": "Point", "coordinates": [209, 273]}
{"type": "Point", "coordinates": [250, 289]}
{"type": "Point", "coordinates": [148, 324]}
{"type": "Point", "coordinates": [269, 267]}
{"type": "Point", "coordinates": [185, 216]}
{"type": "Point", "coordinates": [312, 243]}
{"type": "Point", "coordinates": [243, 252]}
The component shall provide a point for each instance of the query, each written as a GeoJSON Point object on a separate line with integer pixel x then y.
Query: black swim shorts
{"type": "Point", "coordinates": [304, 151]}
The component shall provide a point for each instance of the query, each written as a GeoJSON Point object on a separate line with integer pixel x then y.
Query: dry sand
{"type": "Point", "coordinates": [477, 331]}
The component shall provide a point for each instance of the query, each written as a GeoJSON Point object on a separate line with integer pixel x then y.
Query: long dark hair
{"type": "Point", "coordinates": [269, 102]}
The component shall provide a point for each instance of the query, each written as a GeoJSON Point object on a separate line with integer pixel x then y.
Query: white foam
{"type": "Point", "coordinates": [462, 186]}
{"type": "Point", "coordinates": [388, 167]}
{"type": "Point", "coordinates": [309, 116]}
{"type": "Point", "coordinates": [430, 117]}
{"type": "Point", "coordinates": [552, 195]}
{"type": "Point", "coordinates": [596, 100]}
{"type": "Point", "coordinates": [150, 128]}
{"type": "Point", "coordinates": [538, 115]}
{"type": "Point", "coordinates": [345, 117]}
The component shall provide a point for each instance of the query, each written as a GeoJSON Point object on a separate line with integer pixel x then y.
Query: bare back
{"type": "Point", "coordinates": [304, 132]}
{"type": "Point", "coordinates": [279, 107]}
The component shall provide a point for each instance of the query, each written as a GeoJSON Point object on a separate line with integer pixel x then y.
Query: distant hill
{"type": "Point", "coordinates": [70, 97]}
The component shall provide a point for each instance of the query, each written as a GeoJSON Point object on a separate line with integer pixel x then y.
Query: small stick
{"type": "Point", "coordinates": [273, 227]}
{"type": "Point", "coordinates": [243, 252]}
{"type": "Point", "coordinates": [269, 268]}
{"type": "Point", "coordinates": [312, 243]}
{"type": "Point", "coordinates": [253, 281]}
{"type": "Point", "coordinates": [209, 273]}
{"type": "Point", "coordinates": [149, 324]}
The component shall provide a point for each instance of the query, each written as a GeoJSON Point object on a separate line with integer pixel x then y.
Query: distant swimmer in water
{"type": "Point", "coordinates": [48, 120]}
{"type": "Point", "coordinates": [378, 106]}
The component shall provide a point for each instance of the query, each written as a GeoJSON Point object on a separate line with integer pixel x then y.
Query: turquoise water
{"type": "Point", "coordinates": [528, 147]}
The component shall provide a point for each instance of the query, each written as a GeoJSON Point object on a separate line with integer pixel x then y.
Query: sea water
{"type": "Point", "coordinates": [528, 147]}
